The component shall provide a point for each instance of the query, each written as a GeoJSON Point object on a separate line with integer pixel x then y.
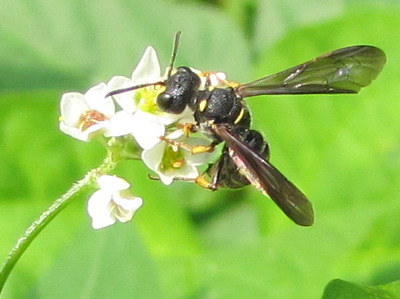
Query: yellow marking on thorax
{"type": "Point", "coordinates": [240, 116]}
{"type": "Point", "coordinates": [203, 105]}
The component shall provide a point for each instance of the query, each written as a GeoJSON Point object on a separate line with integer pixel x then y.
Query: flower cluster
{"type": "Point", "coordinates": [131, 117]}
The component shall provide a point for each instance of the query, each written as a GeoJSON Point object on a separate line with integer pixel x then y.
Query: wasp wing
{"type": "Point", "coordinates": [266, 178]}
{"type": "Point", "coordinates": [342, 71]}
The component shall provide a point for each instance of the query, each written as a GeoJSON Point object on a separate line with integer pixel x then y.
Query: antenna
{"type": "Point", "coordinates": [122, 90]}
{"type": "Point", "coordinates": [177, 39]}
{"type": "Point", "coordinates": [169, 70]}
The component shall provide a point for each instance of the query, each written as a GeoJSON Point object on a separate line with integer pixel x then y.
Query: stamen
{"type": "Point", "coordinates": [90, 118]}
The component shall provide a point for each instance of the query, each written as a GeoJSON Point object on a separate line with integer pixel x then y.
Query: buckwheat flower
{"type": "Point", "coordinates": [112, 202]}
{"type": "Point", "coordinates": [145, 99]}
{"type": "Point", "coordinates": [172, 162]}
{"type": "Point", "coordinates": [147, 71]}
{"type": "Point", "coordinates": [213, 79]}
{"type": "Point", "coordinates": [84, 115]}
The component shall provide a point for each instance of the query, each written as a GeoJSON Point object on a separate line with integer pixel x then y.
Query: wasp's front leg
{"type": "Point", "coordinates": [187, 128]}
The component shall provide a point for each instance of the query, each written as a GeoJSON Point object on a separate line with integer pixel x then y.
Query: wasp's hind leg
{"type": "Point", "coordinates": [202, 181]}
{"type": "Point", "coordinates": [210, 177]}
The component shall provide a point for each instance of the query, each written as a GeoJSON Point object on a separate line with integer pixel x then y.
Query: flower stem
{"type": "Point", "coordinates": [40, 223]}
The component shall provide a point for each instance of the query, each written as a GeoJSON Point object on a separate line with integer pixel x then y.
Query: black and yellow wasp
{"type": "Point", "coordinates": [221, 114]}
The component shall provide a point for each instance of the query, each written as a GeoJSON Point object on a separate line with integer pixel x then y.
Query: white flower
{"type": "Point", "coordinates": [147, 71]}
{"type": "Point", "coordinates": [84, 116]}
{"type": "Point", "coordinates": [211, 79]}
{"type": "Point", "coordinates": [112, 202]}
{"type": "Point", "coordinates": [172, 162]}
{"type": "Point", "coordinates": [148, 122]}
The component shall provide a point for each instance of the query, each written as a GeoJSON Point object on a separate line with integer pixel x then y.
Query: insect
{"type": "Point", "coordinates": [221, 114]}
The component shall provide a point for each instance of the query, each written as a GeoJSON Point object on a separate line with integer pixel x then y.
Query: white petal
{"type": "Point", "coordinates": [126, 99]}
{"type": "Point", "coordinates": [123, 215]}
{"type": "Point", "coordinates": [148, 69]}
{"type": "Point", "coordinates": [149, 135]}
{"type": "Point", "coordinates": [165, 179]}
{"type": "Point", "coordinates": [112, 183]}
{"type": "Point", "coordinates": [217, 79]}
{"type": "Point", "coordinates": [118, 82]}
{"type": "Point", "coordinates": [99, 202]}
{"type": "Point", "coordinates": [122, 123]}
{"type": "Point", "coordinates": [97, 100]}
{"type": "Point", "coordinates": [152, 157]}
{"type": "Point", "coordinates": [74, 132]}
{"type": "Point", "coordinates": [126, 206]}
{"type": "Point", "coordinates": [187, 172]}
{"type": "Point", "coordinates": [147, 130]}
{"type": "Point", "coordinates": [128, 202]}
{"type": "Point", "coordinates": [175, 134]}
{"type": "Point", "coordinates": [86, 135]}
{"type": "Point", "coordinates": [72, 105]}
{"type": "Point", "coordinates": [99, 209]}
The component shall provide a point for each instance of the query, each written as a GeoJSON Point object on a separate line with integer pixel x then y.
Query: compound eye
{"type": "Point", "coordinates": [171, 103]}
{"type": "Point", "coordinates": [165, 101]}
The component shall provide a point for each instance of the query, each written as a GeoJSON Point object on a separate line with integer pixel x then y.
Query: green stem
{"type": "Point", "coordinates": [39, 224]}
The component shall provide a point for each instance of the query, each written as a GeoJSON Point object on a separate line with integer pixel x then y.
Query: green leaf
{"type": "Point", "coordinates": [340, 289]}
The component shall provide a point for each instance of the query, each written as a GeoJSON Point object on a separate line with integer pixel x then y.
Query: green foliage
{"type": "Point", "coordinates": [339, 289]}
{"type": "Point", "coordinates": [185, 242]}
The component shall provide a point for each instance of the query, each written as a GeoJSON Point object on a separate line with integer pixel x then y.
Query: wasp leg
{"type": "Point", "coordinates": [187, 128]}
{"type": "Point", "coordinates": [194, 149]}
{"type": "Point", "coordinates": [202, 181]}
{"type": "Point", "coordinates": [211, 176]}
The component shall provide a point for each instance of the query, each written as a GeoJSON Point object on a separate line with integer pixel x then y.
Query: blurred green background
{"type": "Point", "coordinates": [186, 242]}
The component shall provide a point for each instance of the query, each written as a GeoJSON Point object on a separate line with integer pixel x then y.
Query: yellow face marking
{"type": "Point", "coordinates": [203, 105]}
{"type": "Point", "coordinates": [240, 116]}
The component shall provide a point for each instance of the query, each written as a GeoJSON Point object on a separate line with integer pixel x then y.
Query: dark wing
{"type": "Point", "coordinates": [266, 178]}
{"type": "Point", "coordinates": [342, 71]}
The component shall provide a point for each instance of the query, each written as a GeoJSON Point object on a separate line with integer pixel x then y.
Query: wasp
{"type": "Point", "coordinates": [220, 112]}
